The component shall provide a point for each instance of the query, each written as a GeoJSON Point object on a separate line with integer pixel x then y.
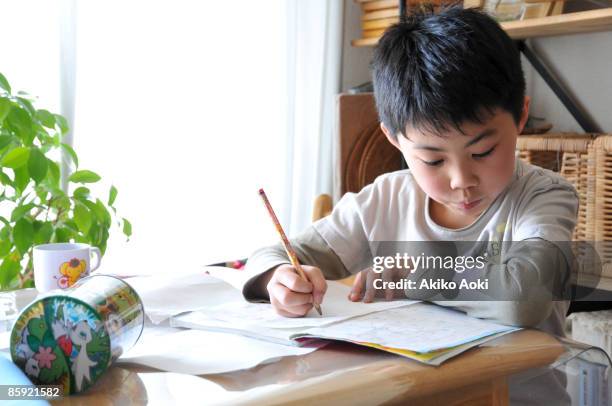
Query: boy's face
{"type": "Point", "coordinates": [463, 174]}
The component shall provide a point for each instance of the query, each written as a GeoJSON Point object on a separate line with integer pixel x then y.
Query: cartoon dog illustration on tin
{"type": "Point", "coordinates": [81, 364]}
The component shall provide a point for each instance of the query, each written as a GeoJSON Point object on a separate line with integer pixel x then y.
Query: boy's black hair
{"type": "Point", "coordinates": [434, 70]}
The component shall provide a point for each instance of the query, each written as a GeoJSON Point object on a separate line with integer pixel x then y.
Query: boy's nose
{"type": "Point", "coordinates": [463, 178]}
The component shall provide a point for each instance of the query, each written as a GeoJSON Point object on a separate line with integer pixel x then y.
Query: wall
{"type": "Point", "coordinates": [355, 60]}
{"type": "Point", "coordinates": [583, 62]}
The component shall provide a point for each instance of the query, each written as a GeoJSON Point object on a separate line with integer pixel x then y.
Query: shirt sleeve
{"type": "Point", "coordinates": [535, 269]}
{"type": "Point", "coordinates": [548, 212]}
{"type": "Point", "coordinates": [522, 289]}
{"type": "Point", "coordinates": [344, 230]}
{"type": "Point", "coordinates": [310, 248]}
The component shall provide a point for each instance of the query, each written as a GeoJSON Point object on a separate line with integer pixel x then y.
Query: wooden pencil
{"type": "Point", "coordinates": [286, 243]}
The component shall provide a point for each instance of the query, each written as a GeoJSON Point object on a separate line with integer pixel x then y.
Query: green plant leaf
{"type": "Point", "coordinates": [4, 179]}
{"type": "Point", "coordinates": [62, 123]}
{"type": "Point", "coordinates": [4, 83]}
{"type": "Point", "coordinates": [69, 223]}
{"type": "Point", "coordinates": [62, 234]}
{"type": "Point", "coordinates": [54, 173]}
{"type": "Point", "coordinates": [82, 218]}
{"type": "Point", "coordinates": [127, 228]}
{"type": "Point", "coordinates": [103, 213]}
{"type": "Point", "coordinates": [41, 193]}
{"type": "Point", "coordinates": [81, 193]}
{"type": "Point", "coordinates": [20, 211]}
{"type": "Point", "coordinates": [99, 210]}
{"type": "Point", "coordinates": [5, 108]}
{"type": "Point", "coordinates": [61, 202]}
{"type": "Point", "coordinates": [112, 195]}
{"type": "Point", "coordinates": [43, 233]}
{"type": "Point", "coordinates": [95, 234]}
{"type": "Point", "coordinates": [22, 178]}
{"type": "Point", "coordinates": [37, 165]}
{"type": "Point", "coordinates": [5, 139]}
{"type": "Point", "coordinates": [84, 176]}
{"type": "Point", "coordinates": [9, 270]}
{"type": "Point", "coordinates": [27, 104]}
{"type": "Point", "coordinates": [5, 247]}
{"type": "Point", "coordinates": [46, 118]}
{"type": "Point", "coordinates": [16, 158]}
{"type": "Point", "coordinates": [23, 235]}
{"type": "Point", "coordinates": [72, 154]}
{"type": "Point", "coordinates": [21, 123]}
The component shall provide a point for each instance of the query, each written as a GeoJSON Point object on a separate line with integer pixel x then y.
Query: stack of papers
{"type": "Point", "coordinates": [424, 332]}
{"type": "Point", "coordinates": [198, 352]}
{"type": "Point", "coordinates": [218, 314]}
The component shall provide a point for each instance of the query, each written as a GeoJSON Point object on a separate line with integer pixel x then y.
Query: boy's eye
{"type": "Point", "coordinates": [484, 153]}
{"type": "Point", "coordinates": [434, 163]}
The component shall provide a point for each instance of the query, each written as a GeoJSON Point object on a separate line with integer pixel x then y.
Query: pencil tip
{"type": "Point", "coordinates": [318, 309]}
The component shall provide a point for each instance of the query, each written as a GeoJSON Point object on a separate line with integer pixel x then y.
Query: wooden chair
{"type": "Point", "coordinates": [364, 152]}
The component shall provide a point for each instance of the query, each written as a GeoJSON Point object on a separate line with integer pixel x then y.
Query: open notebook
{"type": "Point", "coordinates": [427, 333]}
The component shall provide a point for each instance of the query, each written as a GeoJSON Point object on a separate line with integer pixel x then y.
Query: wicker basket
{"type": "Point", "coordinates": [601, 172]}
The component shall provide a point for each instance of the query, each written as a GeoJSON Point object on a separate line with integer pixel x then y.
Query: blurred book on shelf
{"type": "Point", "coordinates": [378, 15]}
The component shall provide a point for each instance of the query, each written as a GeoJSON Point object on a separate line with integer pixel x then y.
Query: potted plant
{"type": "Point", "coordinates": [34, 209]}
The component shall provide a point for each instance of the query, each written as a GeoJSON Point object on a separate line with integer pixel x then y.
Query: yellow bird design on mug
{"type": "Point", "coordinates": [73, 270]}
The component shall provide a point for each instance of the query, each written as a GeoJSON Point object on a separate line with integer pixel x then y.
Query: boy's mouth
{"type": "Point", "coordinates": [469, 205]}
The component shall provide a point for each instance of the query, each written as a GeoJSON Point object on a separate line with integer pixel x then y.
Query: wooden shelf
{"type": "Point", "coordinates": [572, 23]}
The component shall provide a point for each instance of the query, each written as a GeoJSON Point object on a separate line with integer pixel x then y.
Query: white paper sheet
{"type": "Point", "coordinates": [202, 321]}
{"type": "Point", "coordinates": [203, 352]}
{"type": "Point", "coordinates": [217, 296]}
{"type": "Point", "coordinates": [336, 307]}
{"type": "Point", "coordinates": [169, 294]}
{"type": "Point", "coordinates": [421, 328]}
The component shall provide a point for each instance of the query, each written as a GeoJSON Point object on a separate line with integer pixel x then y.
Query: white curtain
{"type": "Point", "coordinates": [190, 107]}
{"type": "Point", "coordinates": [314, 35]}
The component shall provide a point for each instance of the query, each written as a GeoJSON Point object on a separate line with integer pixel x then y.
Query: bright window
{"type": "Point", "coordinates": [179, 104]}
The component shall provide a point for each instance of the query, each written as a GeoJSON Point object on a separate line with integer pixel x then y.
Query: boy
{"type": "Point", "coordinates": [450, 94]}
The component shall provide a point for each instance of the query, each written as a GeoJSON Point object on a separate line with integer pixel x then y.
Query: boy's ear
{"type": "Point", "coordinates": [392, 139]}
{"type": "Point", "coordinates": [524, 114]}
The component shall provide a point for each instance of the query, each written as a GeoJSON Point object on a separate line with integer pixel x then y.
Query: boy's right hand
{"type": "Point", "coordinates": [290, 295]}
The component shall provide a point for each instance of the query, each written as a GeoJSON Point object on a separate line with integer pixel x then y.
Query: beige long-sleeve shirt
{"type": "Point", "coordinates": [533, 220]}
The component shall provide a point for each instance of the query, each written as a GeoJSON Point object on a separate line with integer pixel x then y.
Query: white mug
{"type": "Point", "coordinates": [60, 265]}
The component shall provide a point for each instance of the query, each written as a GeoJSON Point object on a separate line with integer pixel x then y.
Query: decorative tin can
{"type": "Point", "coordinates": [70, 338]}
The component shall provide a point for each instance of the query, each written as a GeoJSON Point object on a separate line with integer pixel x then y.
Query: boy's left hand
{"type": "Point", "coordinates": [364, 285]}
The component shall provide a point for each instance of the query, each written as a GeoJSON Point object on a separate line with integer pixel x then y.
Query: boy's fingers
{"type": "Point", "coordinates": [370, 292]}
{"type": "Point", "coordinates": [290, 278]}
{"type": "Point", "coordinates": [318, 282]}
{"type": "Point", "coordinates": [279, 309]}
{"type": "Point", "coordinates": [290, 311]}
{"type": "Point", "coordinates": [357, 289]}
{"type": "Point", "coordinates": [299, 311]}
{"type": "Point", "coordinates": [388, 276]}
{"type": "Point", "coordinates": [286, 297]}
